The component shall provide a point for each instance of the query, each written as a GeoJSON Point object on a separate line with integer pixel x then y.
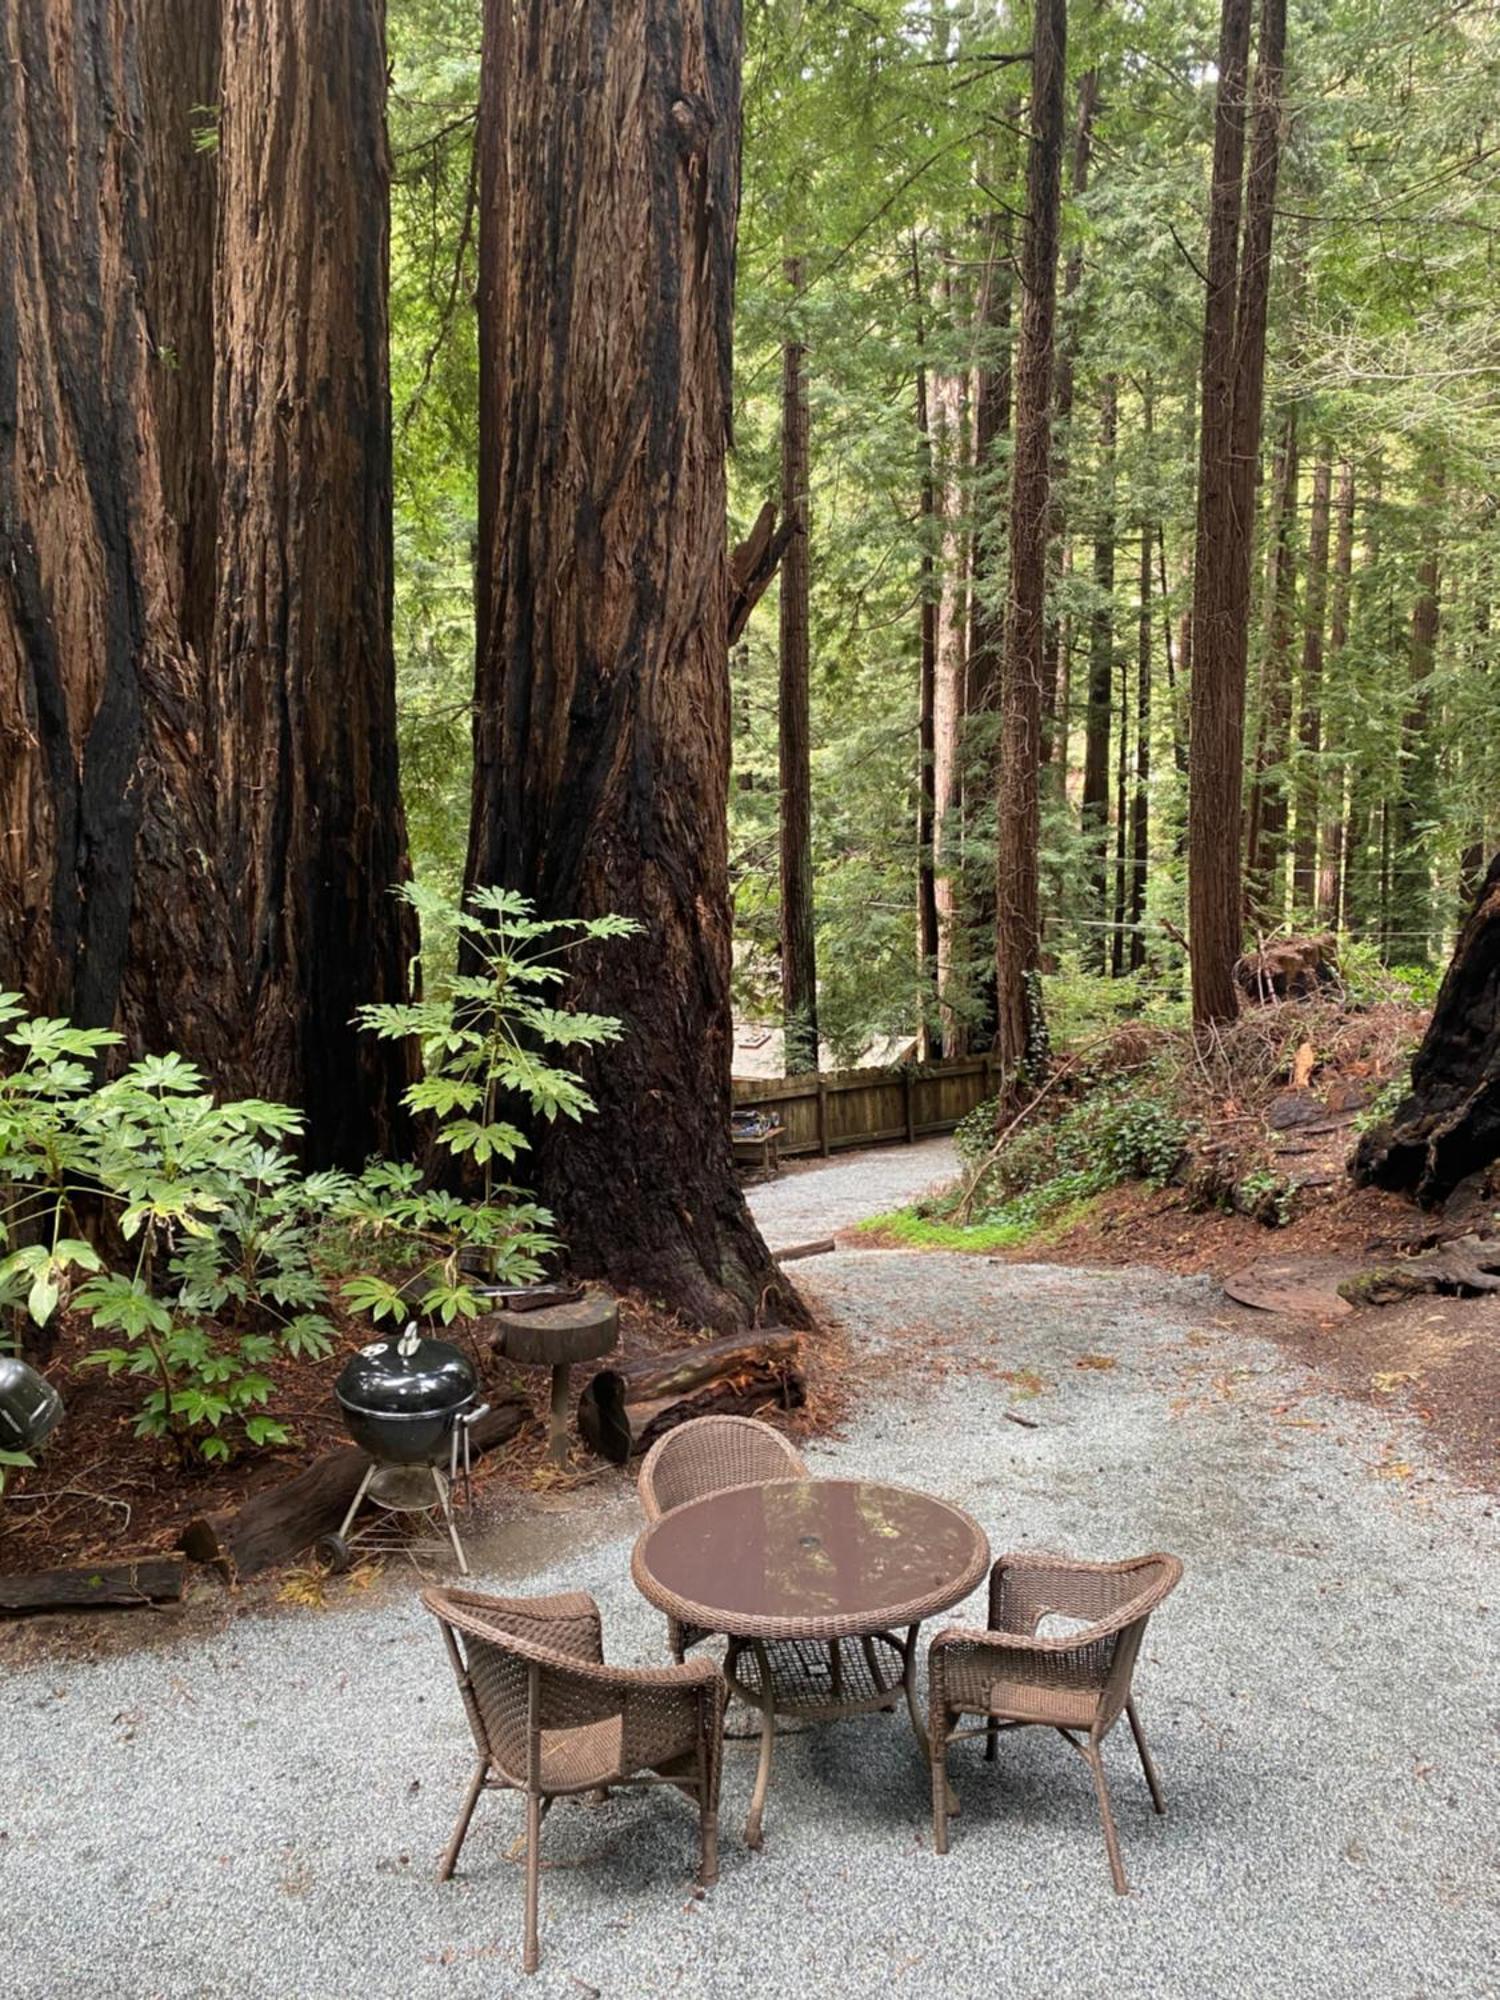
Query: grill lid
{"type": "Point", "coordinates": [406, 1375]}
{"type": "Point", "coordinates": [29, 1405]}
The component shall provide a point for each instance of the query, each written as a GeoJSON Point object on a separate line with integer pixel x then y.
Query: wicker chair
{"type": "Point", "coordinates": [550, 1719]}
{"type": "Point", "coordinates": [1076, 1682]}
{"type": "Point", "coordinates": [704, 1456]}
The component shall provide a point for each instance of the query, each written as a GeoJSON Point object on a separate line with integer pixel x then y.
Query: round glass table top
{"type": "Point", "coordinates": [810, 1558]}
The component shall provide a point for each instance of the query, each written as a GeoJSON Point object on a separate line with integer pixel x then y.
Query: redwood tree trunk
{"type": "Point", "coordinates": [1234, 344]}
{"type": "Point", "coordinates": [928, 594]}
{"type": "Point", "coordinates": [1265, 842]}
{"type": "Point", "coordinates": [610, 138]}
{"type": "Point", "coordinates": [799, 949]}
{"type": "Point", "coordinates": [1020, 1029]}
{"type": "Point", "coordinates": [302, 679]}
{"type": "Point", "coordinates": [1310, 692]}
{"type": "Point", "coordinates": [1333, 841]}
{"type": "Point", "coordinates": [1415, 802]}
{"type": "Point", "coordinates": [949, 683]}
{"type": "Point", "coordinates": [1140, 807]}
{"type": "Point", "coordinates": [1095, 807]}
{"type": "Point", "coordinates": [109, 902]}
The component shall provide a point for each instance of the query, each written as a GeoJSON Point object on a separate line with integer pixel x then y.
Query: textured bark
{"type": "Point", "coordinates": [949, 687]}
{"type": "Point", "coordinates": [1310, 691]}
{"type": "Point", "coordinates": [1333, 840]}
{"type": "Point", "coordinates": [1234, 341]}
{"type": "Point", "coordinates": [1265, 841]}
{"type": "Point", "coordinates": [1095, 806]}
{"type": "Point", "coordinates": [1020, 1029]}
{"type": "Point", "coordinates": [302, 683]}
{"type": "Point", "coordinates": [1448, 1127]}
{"type": "Point", "coordinates": [609, 187]}
{"type": "Point", "coordinates": [109, 908]}
{"type": "Point", "coordinates": [799, 949]}
{"type": "Point", "coordinates": [1414, 805]}
{"type": "Point", "coordinates": [180, 87]}
{"type": "Point", "coordinates": [928, 592]}
{"type": "Point", "coordinates": [1140, 805]}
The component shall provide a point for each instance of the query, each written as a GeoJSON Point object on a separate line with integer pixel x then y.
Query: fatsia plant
{"type": "Point", "coordinates": [490, 1034]}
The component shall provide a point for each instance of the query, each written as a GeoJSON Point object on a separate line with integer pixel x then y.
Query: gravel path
{"type": "Point", "coordinates": [812, 1201]}
{"type": "Point", "coordinates": [256, 1815]}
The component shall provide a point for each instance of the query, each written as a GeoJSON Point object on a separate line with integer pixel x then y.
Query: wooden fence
{"type": "Point", "coordinates": [862, 1107]}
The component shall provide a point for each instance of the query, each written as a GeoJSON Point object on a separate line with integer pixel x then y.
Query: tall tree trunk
{"type": "Point", "coordinates": [610, 136]}
{"type": "Point", "coordinates": [180, 89]}
{"type": "Point", "coordinates": [928, 593]}
{"type": "Point", "coordinates": [1412, 809]}
{"type": "Point", "coordinates": [1122, 828]}
{"type": "Point", "coordinates": [950, 682]}
{"type": "Point", "coordinates": [1020, 1028]}
{"type": "Point", "coordinates": [1095, 813]}
{"type": "Point", "coordinates": [302, 680]}
{"type": "Point", "coordinates": [1234, 345]}
{"type": "Point", "coordinates": [1054, 710]}
{"type": "Point", "coordinates": [1140, 811]}
{"type": "Point", "coordinates": [110, 908]}
{"type": "Point", "coordinates": [1266, 834]}
{"type": "Point", "coordinates": [1310, 693]}
{"type": "Point", "coordinates": [799, 948]}
{"type": "Point", "coordinates": [1334, 837]}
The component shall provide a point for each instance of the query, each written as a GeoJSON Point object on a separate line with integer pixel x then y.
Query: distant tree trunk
{"type": "Point", "coordinates": [302, 683]}
{"type": "Point", "coordinates": [992, 413]}
{"type": "Point", "coordinates": [1054, 710]}
{"type": "Point", "coordinates": [1174, 676]}
{"type": "Point", "coordinates": [927, 607]}
{"type": "Point", "coordinates": [1020, 1028]}
{"type": "Point", "coordinates": [1334, 837]}
{"type": "Point", "coordinates": [1310, 713]}
{"type": "Point", "coordinates": [1410, 902]}
{"type": "Point", "coordinates": [1140, 815]}
{"type": "Point", "coordinates": [1476, 759]}
{"type": "Point", "coordinates": [1095, 811]}
{"type": "Point", "coordinates": [950, 681]}
{"type": "Point", "coordinates": [1234, 345]}
{"type": "Point", "coordinates": [1266, 836]}
{"type": "Point", "coordinates": [1122, 827]}
{"type": "Point", "coordinates": [180, 89]}
{"type": "Point", "coordinates": [610, 137]}
{"type": "Point", "coordinates": [799, 948]}
{"type": "Point", "coordinates": [110, 909]}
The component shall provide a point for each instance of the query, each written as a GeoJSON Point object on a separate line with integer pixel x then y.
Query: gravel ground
{"type": "Point", "coordinates": [257, 1813]}
{"type": "Point", "coordinates": [811, 1201]}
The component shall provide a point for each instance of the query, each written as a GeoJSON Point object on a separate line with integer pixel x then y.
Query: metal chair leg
{"type": "Point", "coordinates": [1152, 1781]}
{"type": "Point", "coordinates": [1111, 1838]}
{"type": "Point", "coordinates": [461, 1825]}
{"type": "Point", "coordinates": [532, 1956]}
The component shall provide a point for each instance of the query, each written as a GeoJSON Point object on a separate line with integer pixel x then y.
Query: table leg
{"type": "Point", "coordinates": [767, 1706]}
{"type": "Point", "coordinates": [914, 1707]}
{"type": "Point", "coordinates": [559, 1427]}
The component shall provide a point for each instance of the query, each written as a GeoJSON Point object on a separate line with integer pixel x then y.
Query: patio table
{"type": "Point", "coordinates": [820, 1587]}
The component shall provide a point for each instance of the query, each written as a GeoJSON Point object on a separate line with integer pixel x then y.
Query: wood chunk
{"type": "Point", "coordinates": [142, 1580]}
{"type": "Point", "coordinates": [820, 1247]}
{"type": "Point", "coordinates": [624, 1410]}
{"type": "Point", "coordinates": [554, 1336]}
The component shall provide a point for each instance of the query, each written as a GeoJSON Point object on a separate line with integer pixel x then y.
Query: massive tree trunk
{"type": "Point", "coordinates": [1310, 691]}
{"type": "Point", "coordinates": [1234, 346]}
{"type": "Point", "coordinates": [109, 902]}
{"type": "Point", "coordinates": [610, 139]}
{"type": "Point", "coordinates": [180, 90]}
{"type": "Point", "coordinates": [1140, 806]}
{"type": "Point", "coordinates": [949, 687]}
{"type": "Point", "coordinates": [1448, 1127]}
{"type": "Point", "coordinates": [1095, 806]}
{"type": "Point", "coordinates": [1265, 840]}
{"type": "Point", "coordinates": [799, 949]}
{"type": "Point", "coordinates": [1020, 1028]}
{"type": "Point", "coordinates": [928, 595]}
{"type": "Point", "coordinates": [302, 679]}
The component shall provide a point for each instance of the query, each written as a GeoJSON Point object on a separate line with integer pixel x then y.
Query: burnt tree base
{"type": "Point", "coordinates": [1448, 1126]}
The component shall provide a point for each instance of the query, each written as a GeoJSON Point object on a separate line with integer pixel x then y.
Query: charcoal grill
{"type": "Point", "coordinates": [410, 1404]}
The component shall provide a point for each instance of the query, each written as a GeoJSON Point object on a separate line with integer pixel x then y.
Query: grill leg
{"type": "Point", "coordinates": [1147, 1765]}
{"type": "Point", "coordinates": [533, 1954]}
{"type": "Point", "coordinates": [355, 1504]}
{"type": "Point", "coordinates": [461, 1825]}
{"type": "Point", "coordinates": [446, 1503]}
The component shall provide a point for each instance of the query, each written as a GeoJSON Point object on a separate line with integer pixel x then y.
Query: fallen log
{"type": "Point", "coordinates": [282, 1520]}
{"type": "Point", "coordinates": [624, 1410]}
{"type": "Point", "coordinates": [1465, 1268]}
{"type": "Point", "coordinates": [142, 1580]}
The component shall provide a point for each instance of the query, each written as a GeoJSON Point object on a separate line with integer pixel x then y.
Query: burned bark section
{"type": "Point", "coordinates": [601, 733]}
{"type": "Point", "coordinates": [302, 685]}
{"type": "Point", "coordinates": [1448, 1126]}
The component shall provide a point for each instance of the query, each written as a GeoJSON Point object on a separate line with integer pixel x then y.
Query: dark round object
{"type": "Point", "coordinates": [401, 1397]}
{"type": "Point", "coordinates": [30, 1407]}
{"type": "Point", "coordinates": [331, 1553]}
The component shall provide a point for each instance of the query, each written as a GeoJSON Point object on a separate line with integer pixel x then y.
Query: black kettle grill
{"type": "Point", "coordinates": [409, 1403]}
{"type": "Point", "coordinates": [29, 1405]}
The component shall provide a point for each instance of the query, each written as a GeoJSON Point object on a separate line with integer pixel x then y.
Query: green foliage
{"type": "Point", "coordinates": [1264, 1195]}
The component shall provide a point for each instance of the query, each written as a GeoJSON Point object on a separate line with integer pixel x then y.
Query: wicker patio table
{"type": "Point", "coordinates": [820, 1587]}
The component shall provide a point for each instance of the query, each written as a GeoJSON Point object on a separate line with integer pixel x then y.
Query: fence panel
{"type": "Point", "coordinates": [838, 1109]}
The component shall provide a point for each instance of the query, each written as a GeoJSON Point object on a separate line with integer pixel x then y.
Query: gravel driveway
{"type": "Point", "coordinates": [257, 1813]}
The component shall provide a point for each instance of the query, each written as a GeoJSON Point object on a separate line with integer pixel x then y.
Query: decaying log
{"type": "Point", "coordinates": [141, 1580]}
{"type": "Point", "coordinates": [1293, 968]}
{"type": "Point", "coordinates": [1466, 1268]}
{"type": "Point", "coordinates": [1448, 1126]}
{"type": "Point", "coordinates": [283, 1520]}
{"type": "Point", "coordinates": [624, 1410]}
{"type": "Point", "coordinates": [753, 564]}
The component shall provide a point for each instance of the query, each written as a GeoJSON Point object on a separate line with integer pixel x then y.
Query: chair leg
{"type": "Point", "coordinates": [461, 1825]}
{"type": "Point", "coordinates": [532, 1957]}
{"type": "Point", "coordinates": [1147, 1764]}
{"type": "Point", "coordinates": [1111, 1838]}
{"type": "Point", "coordinates": [940, 1786]}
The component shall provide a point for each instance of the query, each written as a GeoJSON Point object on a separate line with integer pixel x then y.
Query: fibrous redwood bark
{"type": "Point", "coordinates": [109, 903]}
{"type": "Point", "coordinates": [1019, 1025]}
{"type": "Point", "coordinates": [609, 187]}
{"type": "Point", "coordinates": [1234, 342]}
{"type": "Point", "coordinates": [1333, 839]}
{"type": "Point", "coordinates": [799, 948]}
{"type": "Point", "coordinates": [1310, 691]}
{"type": "Point", "coordinates": [1140, 804]}
{"type": "Point", "coordinates": [302, 678]}
{"type": "Point", "coordinates": [1265, 838]}
{"type": "Point", "coordinates": [928, 593]}
{"type": "Point", "coordinates": [949, 691]}
{"type": "Point", "coordinates": [1095, 804]}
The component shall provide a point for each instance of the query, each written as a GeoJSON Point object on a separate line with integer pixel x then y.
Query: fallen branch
{"type": "Point", "coordinates": [143, 1580]}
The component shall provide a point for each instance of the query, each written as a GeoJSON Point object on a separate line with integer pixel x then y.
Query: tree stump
{"type": "Point", "coordinates": [555, 1337]}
